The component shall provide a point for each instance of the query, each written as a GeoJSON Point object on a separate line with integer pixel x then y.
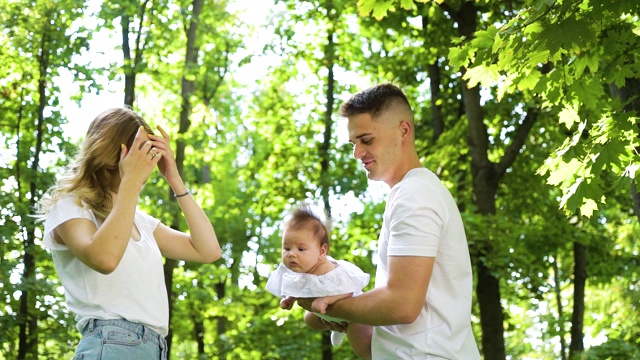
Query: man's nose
{"type": "Point", "coordinates": [358, 152]}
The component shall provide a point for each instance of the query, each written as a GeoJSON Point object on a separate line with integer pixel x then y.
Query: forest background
{"type": "Point", "coordinates": [527, 110]}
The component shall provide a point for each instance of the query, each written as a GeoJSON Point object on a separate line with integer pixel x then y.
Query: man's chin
{"type": "Point", "coordinates": [372, 176]}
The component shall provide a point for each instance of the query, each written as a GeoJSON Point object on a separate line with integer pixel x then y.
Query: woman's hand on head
{"type": "Point", "coordinates": [167, 164]}
{"type": "Point", "coordinates": [138, 162]}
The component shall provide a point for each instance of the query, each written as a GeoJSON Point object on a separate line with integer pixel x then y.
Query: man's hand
{"type": "Point", "coordinates": [335, 326]}
{"type": "Point", "coordinates": [318, 323]}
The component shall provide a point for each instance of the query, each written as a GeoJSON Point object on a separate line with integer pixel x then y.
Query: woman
{"type": "Point", "coordinates": [107, 253]}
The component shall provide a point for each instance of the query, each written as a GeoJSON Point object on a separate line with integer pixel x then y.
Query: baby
{"type": "Point", "coordinates": [307, 271]}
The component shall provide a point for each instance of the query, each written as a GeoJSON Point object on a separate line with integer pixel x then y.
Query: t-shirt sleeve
{"type": "Point", "coordinates": [148, 221]}
{"type": "Point", "coordinates": [416, 219]}
{"type": "Point", "coordinates": [62, 211]}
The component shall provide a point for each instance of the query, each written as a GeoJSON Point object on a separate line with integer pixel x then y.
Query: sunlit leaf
{"type": "Point", "coordinates": [588, 207]}
{"type": "Point", "coordinates": [487, 75]}
{"type": "Point", "coordinates": [564, 173]}
{"type": "Point", "coordinates": [568, 116]}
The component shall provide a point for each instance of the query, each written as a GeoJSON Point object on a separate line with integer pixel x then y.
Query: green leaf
{"type": "Point", "coordinates": [589, 90]}
{"type": "Point", "coordinates": [564, 172]}
{"type": "Point", "coordinates": [588, 207]}
{"type": "Point", "coordinates": [407, 4]}
{"type": "Point", "coordinates": [568, 116]}
{"type": "Point", "coordinates": [533, 28]}
{"type": "Point", "coordinates": [530, 81]}
{"type": "Point", "coordinates": [486, 75]}
{"type": "Point", "coordinates": [459, 56]}
{"type": "Point", "coordinates": [365, 7]}
{"type": "Point", "coordinates": [378, 8]}
{"type": "Point", "coordinates": [582, 62]}
{"type": "Point", "coordinates": [538, 57]}
{"type": "Point", "coordinates": [484, 39]}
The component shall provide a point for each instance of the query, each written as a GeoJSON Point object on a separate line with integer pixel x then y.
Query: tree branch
{"type": "Point", "coordinates": [519, 139]}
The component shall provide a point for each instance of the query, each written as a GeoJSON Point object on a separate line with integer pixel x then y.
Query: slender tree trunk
{"type": "Point", "coordinates": [635, 195]}
{"type": "Point", "coordinates": [129, 65]}
{"type": "Point", "coordinates": [486, 177]}
{"type": "Point", "coordinates": [433, 69]}
{"type": "Point", "coordinates": [579, 284]}
{"type": "Point", "coordinates": [437, 119]}
{"type": "Point", "coordinates": [485, 185]}
{"type": "Point", "coordinates": [28, 332]}
{"type": "Point", "coordinates": [188, 88]}
{"type": "Point", "coordinates": [328, 123]}
{"type": "Point", "coordinates": [169, 265]}
{"type": "Point", "coordinates": [221, 292]}
{"type": "Point", "coordinates": [488, 292]}
{"type": "Point", "coordinates": [198, 334]}
{"type": "Point", "coordinates": [556, 280]}
{"type": "Point", "coordinates": [329, 57]}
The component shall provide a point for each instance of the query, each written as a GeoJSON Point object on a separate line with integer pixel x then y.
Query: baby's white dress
{"type": "Point", "coordinates": [345, 278]}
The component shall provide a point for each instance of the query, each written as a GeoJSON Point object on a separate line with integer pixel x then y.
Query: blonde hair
{"type": "Point", "coordinates": [91, 176]}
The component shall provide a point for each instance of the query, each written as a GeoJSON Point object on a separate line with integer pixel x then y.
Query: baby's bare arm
{"type": "Point", "coordinates": [287, 303]}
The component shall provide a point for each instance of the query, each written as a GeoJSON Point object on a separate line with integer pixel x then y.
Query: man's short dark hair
{"type": "Point", "coordinates": [374, 100]}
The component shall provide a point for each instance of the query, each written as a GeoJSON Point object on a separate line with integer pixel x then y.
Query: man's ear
{"type": "Point", "coordinates": [405, 128]}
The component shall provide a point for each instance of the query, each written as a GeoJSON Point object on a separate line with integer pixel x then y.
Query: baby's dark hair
{"type": "Point", "coordinates": [374, 101]}
{"type": "Point", "coordinates": [303, 217]}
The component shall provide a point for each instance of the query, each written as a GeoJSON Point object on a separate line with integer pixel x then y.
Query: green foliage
{"type": "Point", "coordinates": [613, 349]}
{"type": "Point", "coordinates": [253, 148]}
{"type": "Point", "coordinates": [584, 54]}
{"type": "Point", "coordinates": [378, 8]}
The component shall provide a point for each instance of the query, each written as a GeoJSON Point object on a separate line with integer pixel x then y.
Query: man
{"type": "Point", "coordinates": [420, 307]}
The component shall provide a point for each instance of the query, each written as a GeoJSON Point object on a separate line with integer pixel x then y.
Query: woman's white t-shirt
{"type": "Point", "coordinates": [134, 291]}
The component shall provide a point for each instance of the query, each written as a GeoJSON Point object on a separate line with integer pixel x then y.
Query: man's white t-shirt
{"type": "Point", "coordinates": [134, 291]}
{"type": "Point", "coordinates": [421, 218]}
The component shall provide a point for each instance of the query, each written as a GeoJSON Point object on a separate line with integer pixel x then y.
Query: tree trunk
{"type": "Point", "coordinates": [28, 332]}
{"type": "Point", "coordinates": [188, 88]}
{"type": "Point", "coordinates": [433, 70]}
{"type": "Point", "coordinates": [437, 119]}
{"type": "Point", "coordinates": [129, 65]}
{"type": "Point", "coordinates": [579, 283]}
{"type": "Point", "coordinates": [221, 292]}
{"type": "Point", "coordinates": [486, 177]}
{"type": "Point", "coordinates": [485, 185]}
{"type": "Point", "coordinates": [329, 57]}
{"type": "Point", "coordinates": [169, 265]}
{"type": "Point", "coordinates": [635, 195]}
{"type": "Point", "coordinates": [491, 316]}
{"type": "Point", "coordinates": [556, 280]}
{"type": "Point", "coordinates": [198, 334]}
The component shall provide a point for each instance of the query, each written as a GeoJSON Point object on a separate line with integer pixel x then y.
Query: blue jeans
{"type": "Point", "coordinates": [118, 340]}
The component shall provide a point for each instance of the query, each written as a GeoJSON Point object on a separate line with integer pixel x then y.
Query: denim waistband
{"type": "Point", "coordinates": [145, 332]}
